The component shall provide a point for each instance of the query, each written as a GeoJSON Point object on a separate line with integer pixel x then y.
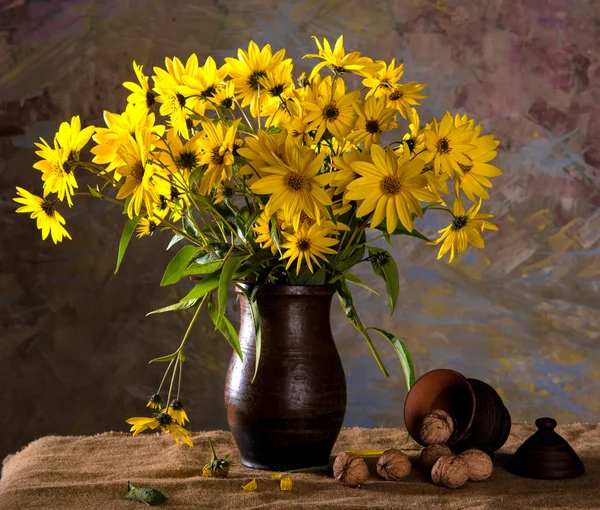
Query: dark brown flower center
{"type": "Point", "coordinates": [459, 222]}
{"type": "Point", "coordinates": [303, 244]}
{"type": "Point", "coordinates": [443, 145]}
{"type": "Point", "coordinates": [150, 99]}
{"type": "Point", "coordinates": [391, 185]}
{"type": "Point", "coordinates": [227, 102]}
{"type": "Point", "coordinates": [396, 94]}
{"type": "Point", "coordinates": [331, 111]}
{"type": "Point", "coordinates": [137, 171]}
{"type": "Point", "coordinates": [187, 160]}
{"type": "Point", "coordinates": [209, 92]}
{"type": "Point", "coordinates": [48, 208]}
{"type": "Point", "coordinates": [372, 127]}
{"type": "Point", "coordinates": [295, 181]}
{"type": "Point", "coordinates": [216, 158]}
{"type": "Point", "coordinates": [277, 90]}
{"type": "Point", "coordinates": [254, 79]}
{"type": "Point", "coordinates": [164, 419]}
{"type": "Point", "coordinates": [305, 218]}
{"type": "Point", "coordinates": [180, 99]}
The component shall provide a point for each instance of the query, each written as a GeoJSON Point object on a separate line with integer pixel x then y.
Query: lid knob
{"type": "Point", "coordinates": [546, 423]}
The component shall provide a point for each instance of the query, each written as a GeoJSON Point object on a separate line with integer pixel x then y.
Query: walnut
{"type": "Point", "coordinates": [393, 465]}
{"type": "Point", "coordinates": [480, 464]}
{"type": "Point", "coordinates": [431, 454]}
{"type": "Point", "coordinates": [350, 469]}
{"type": "Point", "coordinates": [450, 471]}
{"type": "Point", "coordinates": [436, 427]}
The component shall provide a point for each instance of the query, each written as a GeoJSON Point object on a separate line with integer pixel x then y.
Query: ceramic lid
{"type": "Point", "coordinates": [546, 455]}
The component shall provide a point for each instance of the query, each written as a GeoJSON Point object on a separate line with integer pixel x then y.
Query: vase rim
{"type": "Point", "coordinates": [271, 289]}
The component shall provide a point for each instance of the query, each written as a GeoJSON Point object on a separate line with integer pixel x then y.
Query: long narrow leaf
{"type": "Point", "coordinates": [210, 282]}
{"type": "Point", "coordinates": [257, 335]}
{"type": "Point", "coordinates": [403, 354]}
{"type": "Point", "coordinates": [226, 329]}
{"type": "Point", "coordinates": [183, 305]}
{"type": "Point", "coordinates": [384, 265]}
{"type": "Point", "coordinates": [128, 230]}
{"type": "Point", "coordinates": [178, 263]}
{"type": "Point", "coordinates": [227, 271]}
{"type": "Point", "coordinates": [357, 281]}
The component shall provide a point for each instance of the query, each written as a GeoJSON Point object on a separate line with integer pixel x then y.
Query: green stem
{"type": "Point", "coordinates": [165, 376]}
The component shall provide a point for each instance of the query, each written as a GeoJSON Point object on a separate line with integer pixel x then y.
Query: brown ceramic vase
{"type": "Point", "coordinates": [292, 413]}
{"type": "Point", "coordinates": [480, 417]}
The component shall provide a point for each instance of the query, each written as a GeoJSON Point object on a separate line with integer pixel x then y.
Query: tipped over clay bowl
{"type": "Point", "coordinates": [481, 420]}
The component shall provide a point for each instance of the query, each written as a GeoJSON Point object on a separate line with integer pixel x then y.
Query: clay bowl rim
{"type": "Point", "coordinates": [456, 438]}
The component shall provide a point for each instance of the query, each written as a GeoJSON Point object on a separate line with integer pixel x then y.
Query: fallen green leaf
{"type": "Point", "coordinates": [150, 497]}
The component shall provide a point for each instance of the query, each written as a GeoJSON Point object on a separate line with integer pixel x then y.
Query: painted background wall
{"type": "Point", "coordinates": [524, 314]}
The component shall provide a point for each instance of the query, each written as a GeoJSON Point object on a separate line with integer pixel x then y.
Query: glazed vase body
{"type": "Point", "coordinates": [289, 417]}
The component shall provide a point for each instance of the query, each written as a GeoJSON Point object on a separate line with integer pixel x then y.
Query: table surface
{"type": "Point", "coordinates": [91, 472]}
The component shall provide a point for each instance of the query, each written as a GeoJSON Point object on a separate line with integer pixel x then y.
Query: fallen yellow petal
{"type": "Point", "coordinates": [276, 476]}
{"type": "Point", "coordinates": [285, 484]}
{"type": "Point", "coordinates": [250, 486]}
{"type": "Point", "coordinates": [367, 453]}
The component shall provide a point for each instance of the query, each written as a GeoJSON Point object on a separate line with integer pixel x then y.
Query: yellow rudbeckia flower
{"type": "Point", "coordinates": [306, 244]}
{"type": "Point", "coordinates": [48, 219]}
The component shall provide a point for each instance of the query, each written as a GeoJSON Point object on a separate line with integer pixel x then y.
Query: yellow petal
{"type": "Point", "coordinates": [285, 484]}
{"type": "Point", "coordinates": [250, 486]}
{"type": "Point", "coordinates": [367, 453]}
{"type": "Point", "coordinates": [276, 476]}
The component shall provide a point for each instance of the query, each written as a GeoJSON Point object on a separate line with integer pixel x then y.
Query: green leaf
{"type": "Point", "coordinates": [403, 354]}
{"type": "Point", "coordinates": [128, 230]}
{"type": "Point", "coordinates": [257, 335]}
{"type": "Point", "coordinates": [210, 282]}
{"type": "Point", "coordinates": [273, 227]}
{"type": "Point", "coordinates": [175, 239]}
{"type": "Point", "coordinates": [178, 264]}
{"type": "Point", "coordinates": [357, 281]}
{"type": "Point", "coordinates": [226, 329]}
{"type": "Point", "coordinates": [401, 231]}
{"type": "Point", "coordinates": [184, 305]}
{"type": "Point", "coordinates": [384, 265]}
{"type": "Point", "coordinates": [168, 357]}
{"type": "Point", "coordinates": [205, 268]}
{"type": "Point", "coordinates": [94, 192]}
{"type": "Point", "coordinates": [229, 268]}
{"type": "Point", "coordinates": [331, 214]}
{"type": "Point", "coordinates": [345, 297]}
{"type": "Point", "coordinates": [317, 278]}
{"type": "Point", "coordinates": [150, 497]}
{"type": "Point", "coordinates": [188, 227]}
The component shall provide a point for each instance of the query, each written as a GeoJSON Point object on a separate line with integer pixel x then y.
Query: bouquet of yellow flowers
{"type": "Point", "coordinates": [272, 181]}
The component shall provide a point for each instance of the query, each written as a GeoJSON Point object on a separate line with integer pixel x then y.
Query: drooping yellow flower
{"type": "Point", "coordinates": [346, 174]}
{"type": "Point", "coordinates": [224, 96]}
{"type": "Point", "coordinates": [142, 97]}
{"type": "Point", "coordinates": [168, 85]}
{"type": "Point", "coordinates": [390, 186]}
{"type": "Point", "coordinates": [249, 68]}
{"type": "Point", "coordinates": [306, 244]}
{"type": "Point", "coordinates": [339, 62]}
{"type": "Point", "coordinates": [447, 145]}
{"type": "Point", "coordinates": [415, 139]}
{"type": "Point", "coordinates": [295, 186]}
{"type": "Point", "coordinates": [373, 119]}
{"type": "Point", "coordinates": [57, 171]}
{"type": "Point", "coordinates": [176, 156]}
{"type": "Point", "coordinates": [474, 178]}
{"type": "Point", "coordinates": [404, 96]}
{"type": "Point", "coordinates": [119, 127]}
{"type": "Point", "coordinates": [332, 109]}
{"type": "Point", "coordinates": [465, 229]}
{"type": "Point", "coordinates": [72, 139]}
{"type": "Point", "coordinates": [139, 170]}
{"type": "Point", "coordinates": [384, 79]}
{"type": "Point", "coordinates": [263, 231]}
{"type": "Point", "coordinates": [48, 219]}
{"type": "Point", "coordinates": [154, 401]}
{"type": "Point", "coordinates": [203, 84]}
{"type": "Point", "coordinates": [166, 424]}
{"type": "Point", "coordinates": [267, 149]}
{"type": "Point", "coordinates": [177, 412]}
{"type": "Point", "coordinates": [216, 143]}
{"type": "Point", "coordinates": [146, 227]}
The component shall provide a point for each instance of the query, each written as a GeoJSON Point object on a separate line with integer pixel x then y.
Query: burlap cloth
{"type": "Point", "coordinates": [85, 472]}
